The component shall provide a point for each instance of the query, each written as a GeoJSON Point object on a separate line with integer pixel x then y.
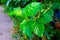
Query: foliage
{"type": "Point", "coordinates": [1, 1]}
{"type": "Point", "coordinates": [33, 18]}
{"type": "Point", "coordinates": [31, 10]}
{"type": "Point", "coordinates": [30, 22]}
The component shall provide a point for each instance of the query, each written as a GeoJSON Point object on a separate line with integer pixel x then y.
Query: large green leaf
{"type": "Point", "coordinates": [24, 26]}
{"type": "Point", "coordinates": [31, 9]}
{"type": "Point", "coordinates": [36, 27]}
{"type": "Point", "coordinates": [39, 29]}
{"type": "Point", "coordinates": [45, 18]}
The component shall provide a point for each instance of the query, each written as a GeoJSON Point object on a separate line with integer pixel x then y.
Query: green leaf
{"type": "Point", "coordinates": [11, 13]}
{"type": "Point", "coordinates": [32, 9]}
{"type": "Point", "coordinates": [16, 12]}
{"type": "Point", "coordinates": [36, 27]}
{"type": "Point", "coordinates": [39, 29]}
{"type": "Point", "coordinates": [55, 5]}
{"type": "Point", "coordinates": [45, 18]}
{"type": "Point", "coordinates": [24, 26]}
{"type": "Point", "coordinates": [32, 24]}
{"type": "Point", "coordinates": [50, 12]}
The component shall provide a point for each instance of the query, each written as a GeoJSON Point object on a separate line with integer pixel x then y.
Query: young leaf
{"type": "Point", "coordinates": [31, 9]}
{"type": "Point", "coordinates": [16, 12]}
